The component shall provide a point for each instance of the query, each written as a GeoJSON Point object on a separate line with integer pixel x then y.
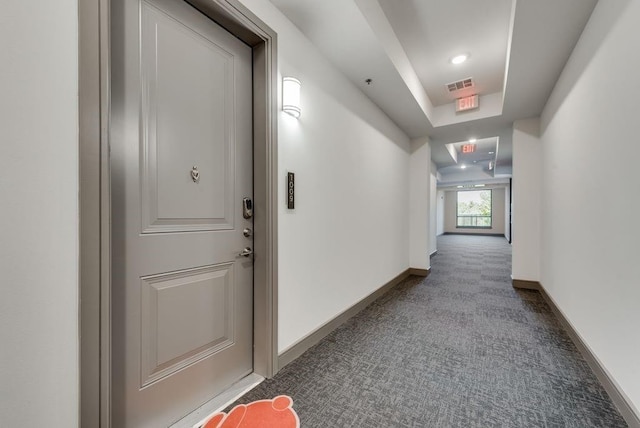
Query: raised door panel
{"type": "Point", "coordinates": [185, 316]}
{"type": "Point", "coordinates": [187, 124]}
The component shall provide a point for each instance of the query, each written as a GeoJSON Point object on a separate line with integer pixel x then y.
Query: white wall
{"type": "Point", "coordinates": [39, 214]}
{"type": "Point", "coordinates": [433, 210]}
{"type": "Point", "coordinates": [590, 155]}
{"type": "Point", "coordinates": [525, 264]}
{"type": "Point", "coordinates": [440, 212]}
{"type": "Point", "coordinates": [419, 199]}
{"type": "Point", "coordinates": [349, 233]}
{"type": "Point", "coordinates": [497, 212]}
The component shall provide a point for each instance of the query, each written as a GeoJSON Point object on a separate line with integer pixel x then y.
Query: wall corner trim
{"type": "Point", "coordinates": [419, 272]}
{"type": "Point", "coordinates": [299, 348]}
{"type": "Point", "coordinates": [619, 398]}
{"type": "Point", "coordinates": [526, 284]}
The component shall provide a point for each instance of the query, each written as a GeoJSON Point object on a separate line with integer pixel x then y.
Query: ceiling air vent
{"type": "Point", "coordinates": [460, 84]}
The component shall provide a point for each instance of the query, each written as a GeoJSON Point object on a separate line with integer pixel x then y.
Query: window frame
{"type": "Point", "coordinates": [490, 216]}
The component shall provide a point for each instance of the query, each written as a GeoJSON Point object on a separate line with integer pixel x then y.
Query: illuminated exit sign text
{"type": "Point", "coordinates": [468, 148]}
{"type": "Point", "coordinates": [467, 103]}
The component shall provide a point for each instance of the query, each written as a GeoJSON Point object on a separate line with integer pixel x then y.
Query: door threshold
{"type": "Point", "coordinates": [220, 402]}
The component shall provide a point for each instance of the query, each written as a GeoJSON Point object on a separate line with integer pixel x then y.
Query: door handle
{"type": "Point", "coordinates": [246, 252]}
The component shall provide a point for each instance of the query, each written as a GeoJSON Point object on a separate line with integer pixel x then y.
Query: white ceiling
{"type": "Point", "coordinates": [433, 31]}
{"type": "Point", "coordinates": [479, 165]}
{"type": "Point", "coordinates": [517, 51]}
{"type": "Point", "coordinates": [483, 151]}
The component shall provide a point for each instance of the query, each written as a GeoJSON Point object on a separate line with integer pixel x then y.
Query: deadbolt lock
{"type": "Point", "coordinates": [247, 208]}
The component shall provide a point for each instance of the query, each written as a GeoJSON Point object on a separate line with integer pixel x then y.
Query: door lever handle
{"type": "Point", "coordinates": [246, 252]}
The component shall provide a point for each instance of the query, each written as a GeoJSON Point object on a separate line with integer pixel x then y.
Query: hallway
{"type": "Point", "coordinates": [459, 349]}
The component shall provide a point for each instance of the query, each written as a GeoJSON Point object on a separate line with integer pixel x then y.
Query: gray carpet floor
{"type": "Point", "coordinates": [460, 348]}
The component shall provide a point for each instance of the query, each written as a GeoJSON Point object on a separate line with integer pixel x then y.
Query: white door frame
{"type": "Point", "coordinates": [95, 194]}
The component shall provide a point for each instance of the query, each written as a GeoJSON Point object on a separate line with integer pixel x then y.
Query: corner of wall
{"type": "Point", "coordinates": [419, 203]}
{"type": "Point", "coordinates": [526, 194]}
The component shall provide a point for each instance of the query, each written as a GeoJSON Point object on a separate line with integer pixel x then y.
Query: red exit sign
{"type": "Point", "coordinates": [467, 103]}
{"type": "Point", "coordinates": [468, 148]}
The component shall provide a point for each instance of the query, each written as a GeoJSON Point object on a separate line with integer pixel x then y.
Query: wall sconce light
{"type": "Point", "coordinates": [291, 96]}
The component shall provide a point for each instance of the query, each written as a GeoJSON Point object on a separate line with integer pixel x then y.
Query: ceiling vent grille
{"type": "Point", "coordinates": [460, 84]}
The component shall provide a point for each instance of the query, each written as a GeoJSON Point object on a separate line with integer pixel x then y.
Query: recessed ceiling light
{"type": "Point", "coordinates": [473, 140]}
{"type": "Point", "coordinates": [463, 166]}
{"type": "Point", "coordinates": [479, 185]}
{"type": "Point", "coordinates": [460, 187]}
{"type": "Point", "coordinates": [491, 153]}
{"type": "Point", "coordinates": [459, 59]}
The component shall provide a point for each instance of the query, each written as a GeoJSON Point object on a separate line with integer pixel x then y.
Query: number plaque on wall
{"type": "Point", "coordinates": [291, 190]}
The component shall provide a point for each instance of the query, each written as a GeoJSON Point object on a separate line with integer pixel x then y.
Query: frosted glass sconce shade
{"type": "Point", "coordinates": [291, 96]}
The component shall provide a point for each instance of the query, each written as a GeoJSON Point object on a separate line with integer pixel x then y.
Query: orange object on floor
{"type": "Point", "coordinates": [275, 413]}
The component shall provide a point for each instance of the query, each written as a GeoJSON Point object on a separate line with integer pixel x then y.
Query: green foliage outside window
{"type": "Point", "coordinates": [474, 209]}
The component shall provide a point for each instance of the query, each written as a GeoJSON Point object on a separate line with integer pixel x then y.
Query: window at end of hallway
{"type": "Point", "coordinates": [473, 209]}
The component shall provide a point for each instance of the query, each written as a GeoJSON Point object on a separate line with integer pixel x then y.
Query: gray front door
{"type": "Point", "coordinates": [181, 162]}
